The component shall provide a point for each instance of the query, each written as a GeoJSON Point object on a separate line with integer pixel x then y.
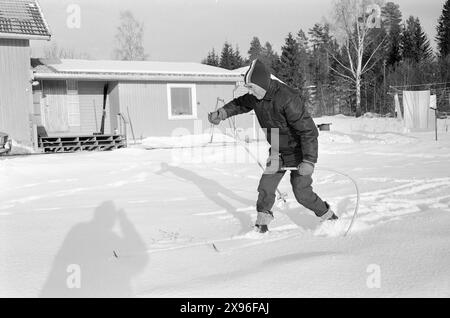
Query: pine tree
{"type": "Point", "coordinates": [321, 62]}
{"type": "Point", "coordinates": [269, 57]}
{"type": "Point", "coordinates": [212, 58]}
{"type": "Point", "coordinates": [255, 50]}
{"type": "Point", "coordinates": [227, 57]}
{"type": "Point", "coordinates": [415, 45]}
{"type": "Point", "coordinates": [237, 60]}
{"type": "Point", "coordinates": [302, 40]}
{"type": "Point", "coordinates": [303, 51]}
{"type": "Point", "coordinates": [443, 31]}
{"type": "Point", "coordinates": [444, 67]}
{"type": "Point", "coordinates": [289, 67]}
{"type": "Point", "coordinates": [319, 35]}
{"type": "Point", "coordinates": [323, 45]}
{"type": "Point", "coordinates": [392, 19]}
{"type": "Point", "coordinates": [317, 68]}
{"type": "Point", "coordinates": [320, 40]}
{"type": "Point", "coordinates": [417, 65]}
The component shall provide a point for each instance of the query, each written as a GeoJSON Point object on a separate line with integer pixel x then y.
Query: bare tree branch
{"type": "Point", "coordinates": [343, 75]}
{"type": "Point", "coordinates": [373, 53]}
{"type": "Point", "coordinates": [337, 60]}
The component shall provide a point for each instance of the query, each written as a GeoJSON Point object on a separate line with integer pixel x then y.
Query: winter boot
{"type": "Point", "coordinates": [261, 228]}
{"type": "Point", "coordinates": [263, 220]}
{"type": "Point", "coordinates": [329, 215]}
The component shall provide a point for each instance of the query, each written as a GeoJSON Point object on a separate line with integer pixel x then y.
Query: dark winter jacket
{"type": "Point", "coordinates": [284, 108]}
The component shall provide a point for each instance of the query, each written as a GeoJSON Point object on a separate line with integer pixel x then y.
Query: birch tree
{"type": "Point", "coordinates": [54, 51]}
{"type": "Point", "coordinates": [129, 39]}
{"type": "Point", "coordinates": [353, 22]}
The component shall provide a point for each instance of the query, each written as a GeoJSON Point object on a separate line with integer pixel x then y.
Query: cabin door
{"type": "Point", "coordinates": [55, 107]}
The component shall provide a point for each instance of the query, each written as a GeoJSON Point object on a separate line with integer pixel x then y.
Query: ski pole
{"type": "Point", "coordinates": [212, 125]}
{"type": "Point", "coordinates": [281, 196]}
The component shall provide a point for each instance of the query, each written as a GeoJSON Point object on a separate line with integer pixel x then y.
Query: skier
{"type": "Point", "coordinates": [292, 133]}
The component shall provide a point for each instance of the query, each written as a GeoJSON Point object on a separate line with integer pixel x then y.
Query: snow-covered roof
{"type": "Point", "coordinates": [128, 70]}
{"type": "Point", "coordinates": [22, 19]}
{"type": "Point", "coordinates": [241, 72]}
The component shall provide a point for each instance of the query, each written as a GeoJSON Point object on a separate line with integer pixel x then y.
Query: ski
{"type": "Point", "coordinates": [254, 238]}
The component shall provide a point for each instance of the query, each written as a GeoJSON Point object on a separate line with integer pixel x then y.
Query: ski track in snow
{"type": "Point", "coordinates": [385, 197]}
{"type": "Point", "coordinates": [376, 207]}
{"type": "Point", "coordinates": [381, 206]}
{"type": "Point", "coordinates": [250, 239]}
{"type": "Point", "coordinates": [408, 155]}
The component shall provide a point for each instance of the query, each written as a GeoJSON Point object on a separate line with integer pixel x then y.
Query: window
{"type": "Point", "coordinates": [182, 101]}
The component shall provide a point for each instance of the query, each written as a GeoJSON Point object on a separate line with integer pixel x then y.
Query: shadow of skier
{"type": "Point", "coordinates": [213, 191]}
{"type": "Point", "coordinates": [89, 262]}
{"type": "Point", "coordinates": [301, 217]}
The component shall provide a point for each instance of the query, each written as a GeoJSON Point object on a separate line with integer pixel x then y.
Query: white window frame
{"type": "Point", "coordinates": [194, 101]}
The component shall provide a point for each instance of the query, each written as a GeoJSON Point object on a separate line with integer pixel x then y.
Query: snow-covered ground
{"type": "Point", "coordinates": [137, 222]}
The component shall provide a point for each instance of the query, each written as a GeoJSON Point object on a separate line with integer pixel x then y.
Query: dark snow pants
{"type": "Point", "coordinates": [301, 186]}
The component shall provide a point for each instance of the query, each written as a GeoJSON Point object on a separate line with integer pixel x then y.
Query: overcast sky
{"type": "Point", "coordinates": [185, 30]}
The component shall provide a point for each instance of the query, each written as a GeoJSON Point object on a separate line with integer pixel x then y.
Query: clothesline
{"type": "Point", "coordinates": [416, 85]}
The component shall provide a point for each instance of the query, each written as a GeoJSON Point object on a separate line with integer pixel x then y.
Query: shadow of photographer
{"type": "Point", "coordinates": [88, 264]}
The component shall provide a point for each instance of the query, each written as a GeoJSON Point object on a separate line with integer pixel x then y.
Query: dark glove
{"type": "Point", "coordinates": [216, 117]}
{"type": "Point", "coordinates": [306, 168]}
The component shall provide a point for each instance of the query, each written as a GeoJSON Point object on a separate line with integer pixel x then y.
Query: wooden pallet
{"type": "Point", "coordinates": [82, 143]}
